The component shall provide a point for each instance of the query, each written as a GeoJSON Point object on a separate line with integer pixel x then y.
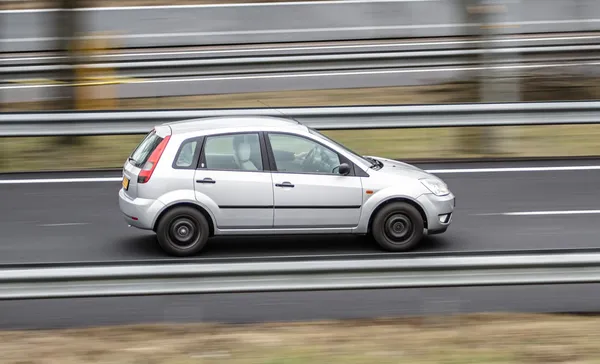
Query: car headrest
{"type": "Point", "coordinates": [243, 152]}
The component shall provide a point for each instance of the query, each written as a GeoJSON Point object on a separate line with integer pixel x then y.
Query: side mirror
{"type": "Point", "coordinates": [344, 169]}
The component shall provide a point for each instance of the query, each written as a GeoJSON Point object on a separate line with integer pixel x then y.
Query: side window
{"type": "Point", "coordinates": [240, 152]}
{"type": "Point", "coordinates": [187, 155]}
{"type": "Point", "coordinates": [295, 154]}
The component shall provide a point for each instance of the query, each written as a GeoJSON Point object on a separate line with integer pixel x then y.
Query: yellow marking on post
{"type": "Point", "coordinates": [36, 81]}
{"type": "Point", "coordinates": [88, 80]}
{"type": "Point", "coordinates": [99, 81]}
{"type": "Point", "coordinates": [91, 81]}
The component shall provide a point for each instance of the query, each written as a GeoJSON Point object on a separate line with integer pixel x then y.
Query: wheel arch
{"type": "Point", "coordinates": [202, 210]}
{"type": "Point", "coordinates": [409, 201]}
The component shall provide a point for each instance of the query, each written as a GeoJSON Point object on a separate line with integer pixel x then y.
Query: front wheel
{"type": "Point", "coordinates": [182, 231]}
{"type": "Point", "coordinates": [397, 227]}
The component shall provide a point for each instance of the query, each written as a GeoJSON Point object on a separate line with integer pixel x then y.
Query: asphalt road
{"type": "Point", "coordinates": [80, 221]}
{"type": "Point", "coordinates": [156, 26]}
{"type": "Point", "coordinates": [296, 306]}
{"type": "Point", "coordinates": [49, 222]}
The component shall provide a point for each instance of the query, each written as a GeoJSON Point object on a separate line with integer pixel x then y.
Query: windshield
{"type": "Point", "coordinates": [356, 155]}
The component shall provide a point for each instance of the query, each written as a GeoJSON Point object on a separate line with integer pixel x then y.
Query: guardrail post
{"type": "Point", "coordinates": [495, 84]}
{"type": "Point", "coordinates": [499, 84]}
{"type": "Point", "coordinates": [67, 25]}
{"type": "Point", "coordinates": [93, 88]}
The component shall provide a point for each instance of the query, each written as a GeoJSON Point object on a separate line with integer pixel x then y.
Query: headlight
{"type": "Point", "coordinates": [436, 187]}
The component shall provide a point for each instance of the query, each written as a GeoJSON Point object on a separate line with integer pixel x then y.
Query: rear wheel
{"type": "Point", "coordinates": [397, 227]}
{"type": "Point", "coordinates": [182, 231]}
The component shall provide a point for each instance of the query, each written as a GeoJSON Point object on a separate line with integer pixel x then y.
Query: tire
{"type": "Point", "coordinates": [397, 227]}
{"type": "Point", "coordinates": [192, 235]}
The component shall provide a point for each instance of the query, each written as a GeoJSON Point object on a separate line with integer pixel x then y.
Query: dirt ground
{"type": "Point", "coordinates": [480, 339]}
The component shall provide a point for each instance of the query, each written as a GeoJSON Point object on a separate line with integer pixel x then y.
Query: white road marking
{"type": "Point", "coordinates": [544, 213]}
{"type": "Point", "coordinates": [58, 180]}
{"type": "Point", "coordinates": [514, 169]}
{"type": "Point", "coordinates": [434, 171]}
{"type": "Point", "coordinates": [65, 224]}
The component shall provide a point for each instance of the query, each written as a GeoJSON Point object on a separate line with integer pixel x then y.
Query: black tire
{"type": "Point", "coordinates": [397, 227]}
{"type": "Point", "coordinates": [182, 231]}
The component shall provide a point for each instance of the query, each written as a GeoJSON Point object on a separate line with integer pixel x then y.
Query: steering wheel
{"type": "Point", "coordinates": [311, 162]}
{"type": "Point", "coordinates": [309, 158]}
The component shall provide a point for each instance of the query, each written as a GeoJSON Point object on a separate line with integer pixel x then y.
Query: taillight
{"type": "Point", "coordinates": [152, 161]}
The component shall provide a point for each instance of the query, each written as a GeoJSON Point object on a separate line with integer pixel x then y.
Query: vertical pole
{"type": "Point", "coordinates": [66, 25]}
{"type": "Point", "coordinates": [467, 141]}
{"type": "Point", "coordinates": [67, 29]}
{"type": "Point", "coordinates": [498, 84]}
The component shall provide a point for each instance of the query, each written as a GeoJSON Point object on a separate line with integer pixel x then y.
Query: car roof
{"type": "Point", "coordinates": [219, 123]}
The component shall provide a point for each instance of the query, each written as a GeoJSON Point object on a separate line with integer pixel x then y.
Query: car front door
{"type": "Point", "coordinates": [232, 178]}
{"type": "Point", "coordinates": [308, 190]}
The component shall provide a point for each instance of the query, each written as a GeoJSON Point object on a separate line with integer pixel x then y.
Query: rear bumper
{"type": "Point", "coordinates": [439, 211]}
{"type": "Point", "coordinates": [138, 212]}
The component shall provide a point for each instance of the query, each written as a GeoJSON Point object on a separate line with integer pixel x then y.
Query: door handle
{"type": "Point", "coordinates": [206, 180]}
{"type": "Point", "coordinates": [284, 184]}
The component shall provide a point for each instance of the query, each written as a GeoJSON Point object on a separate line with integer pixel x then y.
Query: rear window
{"type": "Point", "coordinates": [143, 151]}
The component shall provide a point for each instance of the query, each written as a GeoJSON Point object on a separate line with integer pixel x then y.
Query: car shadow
{"type": "Point", "coordinates": [146, 246]}
{"type": "Point", "coordinates": [142, 246]}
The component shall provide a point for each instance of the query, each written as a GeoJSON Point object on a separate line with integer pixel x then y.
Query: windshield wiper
{"type": "Point", "coordinates": [375, 164]}
{"type": "Point", "coordinates": [132, 160]}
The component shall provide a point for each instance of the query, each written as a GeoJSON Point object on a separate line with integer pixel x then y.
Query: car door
{"type": "Point", "coordinates": [233, 177]}
{"type": "Point", "coordinates": [310, 193]}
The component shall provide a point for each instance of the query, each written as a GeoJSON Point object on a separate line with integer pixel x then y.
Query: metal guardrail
{"type": "Point", "coordinates": [313, 62]}
{"type": "Point", "coordinates": [194, 278]}
{"type": "Point", "coordinates": [324, 118]}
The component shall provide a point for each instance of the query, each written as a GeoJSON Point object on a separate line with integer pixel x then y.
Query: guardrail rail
{"type": "Point", "coordinates": [195, 277]}
{"type": "Point", "coordinates": [323, 118]}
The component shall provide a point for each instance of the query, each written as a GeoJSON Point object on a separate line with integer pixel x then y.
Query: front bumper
{"type": "Point", "coordinates": [138, 212]}
{"type": "Point", "coordinates": [439, 211]}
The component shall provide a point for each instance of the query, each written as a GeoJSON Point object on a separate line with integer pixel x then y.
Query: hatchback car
{"type": "Point", "coordinates": [191, 180]}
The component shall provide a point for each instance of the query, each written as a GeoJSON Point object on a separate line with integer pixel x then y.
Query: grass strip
{"type": "Point", "coordinates": [477, 338]}
{"type": "Point", "coordinates": [38, 154]}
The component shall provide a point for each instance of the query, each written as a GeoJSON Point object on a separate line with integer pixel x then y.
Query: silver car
{"type": "Point", "coordinates": [191, 180]}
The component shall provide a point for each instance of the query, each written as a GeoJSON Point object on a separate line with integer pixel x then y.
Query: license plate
{"type": "Point", "coordinates": [125, 183]}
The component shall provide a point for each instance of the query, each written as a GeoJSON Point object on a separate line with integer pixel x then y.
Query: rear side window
{"type": "Point", "coordinates": [143, 151]}
{"type": "Point", "coordinates": [187, 156]}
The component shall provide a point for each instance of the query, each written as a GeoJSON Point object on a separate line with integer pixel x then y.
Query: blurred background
{"type": "Point", "coordinates": [178, 54]}
{"type": "Point", "coordinates": [113, 55]}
